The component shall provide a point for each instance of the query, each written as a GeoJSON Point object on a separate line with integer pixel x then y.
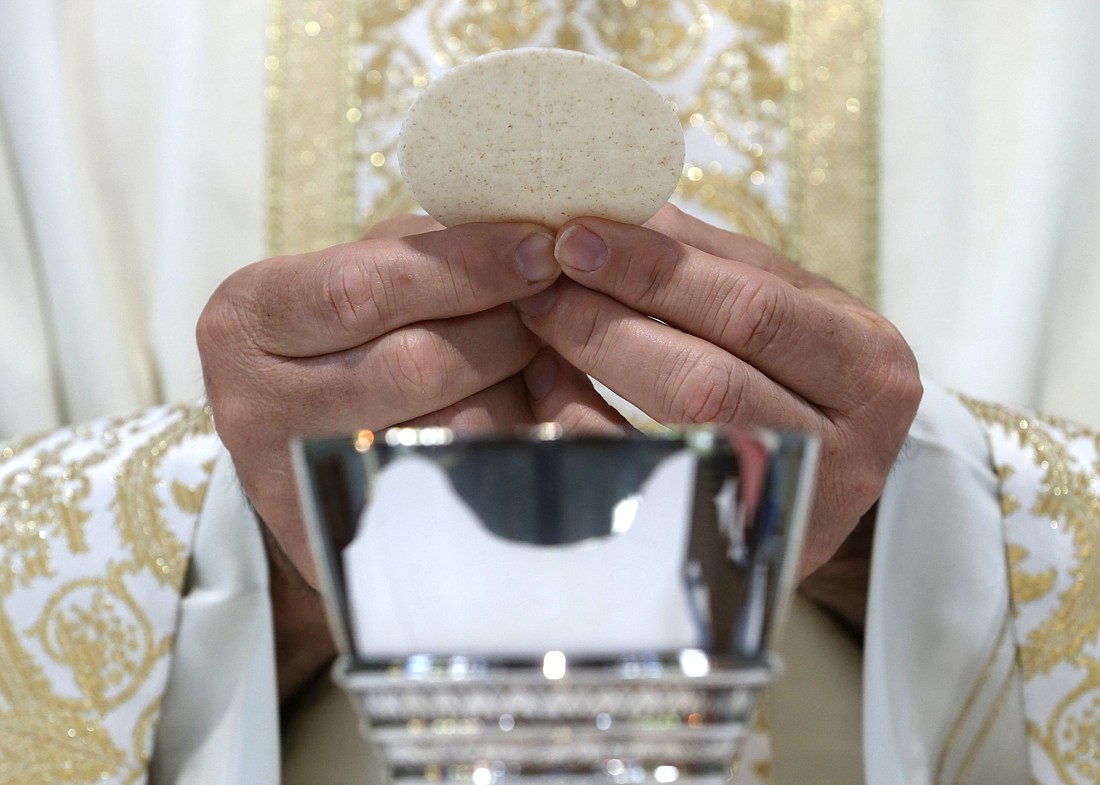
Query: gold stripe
{"type": "Point", "coordinates": [832, 95]}
{"type": "Point", "coordinates": [311, 125]}
{"type": "Point", "coordinates": [832, 117]}
{"type": "Point", "coordinates": [987, 725]}
{"type": "Point", "coordinates": [968, 705]}
{"type": "Point", "coordinates": [794, 239]}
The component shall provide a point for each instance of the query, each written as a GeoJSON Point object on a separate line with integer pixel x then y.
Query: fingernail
{"type": "Point", "coordinates": [535, 258]}
{"type": "Point", "coordinates": [580, 249]}
{"type": "Point", "coordinates": [539, 376]}
{"type": "Point", "coordinates": [538, 304]}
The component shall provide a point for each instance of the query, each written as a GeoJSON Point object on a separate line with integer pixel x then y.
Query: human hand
{"type": "Point", "coordinates": [408, 326]}
{"type": "Point", "coordinates": [697, 325]}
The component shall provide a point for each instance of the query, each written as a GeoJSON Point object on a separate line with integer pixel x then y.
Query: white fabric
{"type": "Point", "coordinates": [938, 605]}
{"type": "Point", "coordinates": [132, 182]}
{"type": "Point", "coordinates": [96, 523]}
{"type": "Point", "coordinates": [220, 715]}
{"type": "Point", "coordinates": [1048, 474]}
{"type": "Point", "coordinates": [989, 196]}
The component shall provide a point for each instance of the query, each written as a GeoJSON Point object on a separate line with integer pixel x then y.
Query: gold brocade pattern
{"type": "Point", "coordinates": [833, 95]}
{"type": "Point", "coordinates": [312, 112]}
{"type": "Point", "coordinates": [94, 542]}
{"type": "Point", "coordinates": [777, 99]}
{"type": "Point", "coordinates": [1052, 469]}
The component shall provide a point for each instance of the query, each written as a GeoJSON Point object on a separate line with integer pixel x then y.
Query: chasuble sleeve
{"type": "Point", "coordinates": [136, 640]}
{"type": "Point", "coordinates": [1048, 473]}
{"type": "Point", "coordinates": [96, 525]}
{"type": "Point", "coordinates": [982, 651]}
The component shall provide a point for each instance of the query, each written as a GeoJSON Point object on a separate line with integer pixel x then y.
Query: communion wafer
{"type": "Point", "coordinates": [541, 135]}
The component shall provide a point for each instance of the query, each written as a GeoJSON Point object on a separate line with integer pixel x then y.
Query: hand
{"type": "Point", "coordinates": [697, 325]}
{"type": "Point", "coordinates": [385, 331]}
{"type": "Point", "coordinates": [408, 326]}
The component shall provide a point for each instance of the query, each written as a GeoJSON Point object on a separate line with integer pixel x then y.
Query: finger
{"type": "Point", "coordinates": [560, 393]}
{"type": "Point", "coordinates": [490, 411]}
{"type": "Point", "coordinates": [344, 296]}
{"type": "Point", "coordinates": [801, 341]}
{"type": "Point", "coordinates": [674, 223]}
{"type": "Point", "coordinates": [404, 374]}
{"type": "Point", "coordinates": [673, 377]}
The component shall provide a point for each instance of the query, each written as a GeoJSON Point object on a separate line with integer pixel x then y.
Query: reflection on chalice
{"type": "Point", "coordinates": [556, 607]}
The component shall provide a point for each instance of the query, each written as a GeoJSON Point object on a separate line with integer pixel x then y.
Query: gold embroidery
{"type": "Point", "coordinates": [16, 447]}
{"type": "Point", "coordinates": [189, 498]}
{"type": "Point", "coordinates": [89, 647]}
{"type": "Point", "coordinates": [1072, 737]}
{"type": "Point", "coordinates": [312, 115]}
{"type": "Point", "coordinates": [1058, 608]}
{"type": "Point", "coordinates": [1068, 500]}
{"type": "Point", "coordinates": [139, 506]}
{"type": "Point", "coordinates": [657, 44]}
{"type": "Point", "coordinates": [99, 633]}
{"type": "Point", "coordinates": [37, 506]}
{"type": "Point", "coordinates": [462, 31]}
{"type": "Point", "coordinates": [1027, 586]}
{"type": "Point", "coordinates": [1009, 503]}
{"type": "Point", "coordinates": [777, 98]}
{"type": "Point", "coordinates": [142, 744]}
{"type": "Point", "coordinates": [833, 89]}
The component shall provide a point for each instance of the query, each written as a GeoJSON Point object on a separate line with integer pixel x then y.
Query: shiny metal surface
{"type": "Point", "coordinates": [547, 606]}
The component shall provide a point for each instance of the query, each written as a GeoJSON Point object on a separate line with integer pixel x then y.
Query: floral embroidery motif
{"type": "Point", "coordinates": [95, 529]}
{"type": "Point", "coordinates": [1050, 469]}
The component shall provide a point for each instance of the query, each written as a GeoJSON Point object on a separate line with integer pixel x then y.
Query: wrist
{"type": "Point", "coordinates": [841, 584]}
{"type": "Point", "coordinates": [303, 642]}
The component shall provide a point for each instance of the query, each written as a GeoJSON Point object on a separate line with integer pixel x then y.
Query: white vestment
{"type": "Point", "coordinates": [132, 180]}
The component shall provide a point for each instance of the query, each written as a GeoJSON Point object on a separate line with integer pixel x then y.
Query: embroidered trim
{"type": "Point", "coordinates": [313, 112]}
{"type": "Point", "coordinates": [93, 549]}
{"type": "Point", "coordinates": [777, 98]}
{"type": "Point", "coordinates": [1050, 479]}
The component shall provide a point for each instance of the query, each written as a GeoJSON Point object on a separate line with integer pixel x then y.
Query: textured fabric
{"type": "Point", "coordinates": [132, 180]}
{"type": "Point", "coordinates": [96, 524]}
{"type": "Point", "coordinates": [990, 247]}
{"type": "Point", "coordinates": [937, 654]}
{"type": "Point", "coordinates": [219, 725]}
{"type": "Point", "coordinates": [1049, 472]}
{"type": "Point", "coordinates": [131, 184]}
{"type": "Point", "coordinates": [983, 640]}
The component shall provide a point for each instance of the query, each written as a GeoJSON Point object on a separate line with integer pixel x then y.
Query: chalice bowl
{"type": "Point", "coordinates": [548, 607]}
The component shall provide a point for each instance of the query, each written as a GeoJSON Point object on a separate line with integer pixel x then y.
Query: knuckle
{"type": "Point", "coordinates": [228, 333]}
{"type": "Point", "coordinates": [650, 270]}
{"type": "Point", "coordinates": [216, 321]}
{"type": "Point", "coordinates": [754, 316]}
{"type": "Point", "coordinates": [586, 322]}
{"type": "Point", "coordinates": [463, 252]}
{"type": "Point", "coordinates": [866, 482]}
{"type": "Point", "coordinates": [587, 330]}
{"type": "Point", "coordinates": [356, 293]}
{"type": "Point", "coordinates": [418, 365]}
{"type": "Point", "coordinates": [896, 381]}
{"type": "Point", "coordinates": [235, 417]}
{"type": "Point", "coordinates": [709, 393]}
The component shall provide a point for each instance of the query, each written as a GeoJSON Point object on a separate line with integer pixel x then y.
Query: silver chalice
{"type": "Point", "coordinates": [552, 607]}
